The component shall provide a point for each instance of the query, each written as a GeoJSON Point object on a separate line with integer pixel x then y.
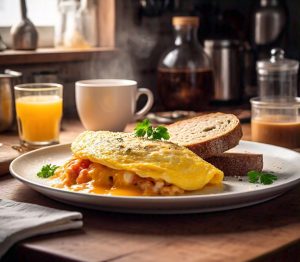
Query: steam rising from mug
{"type": "Point", "coordinates": [109, 104]}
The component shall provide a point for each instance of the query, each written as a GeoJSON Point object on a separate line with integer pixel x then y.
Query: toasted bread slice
{"type": "Point", "coordinates": [237, 164]}
{"type": "Point", "coordinates": [207, 135]}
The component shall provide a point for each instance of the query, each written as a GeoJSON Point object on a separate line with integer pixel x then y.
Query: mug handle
{"type": "Point", "coordinates": [148, 105]}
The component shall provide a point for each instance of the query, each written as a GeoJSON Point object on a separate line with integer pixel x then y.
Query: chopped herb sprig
{"type": "Point", "coordinates": [47, 171]}
{"type": "Point", "coordinates": [145, 129]}
{"type": "Point", "coordinates": [265, 178]}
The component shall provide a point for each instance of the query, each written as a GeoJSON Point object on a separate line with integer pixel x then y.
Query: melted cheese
{"type": "Point", "coordinates": [114, 191]}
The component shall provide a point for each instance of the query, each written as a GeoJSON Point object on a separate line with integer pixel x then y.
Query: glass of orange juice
{"type": "Point", "coordinates": [39, 113]}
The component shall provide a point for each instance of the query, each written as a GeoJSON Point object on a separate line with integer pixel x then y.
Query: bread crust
{"type": "Point", "coordinates": [237, 164]}
{"type": "Point", "coordinates": [215, 144]}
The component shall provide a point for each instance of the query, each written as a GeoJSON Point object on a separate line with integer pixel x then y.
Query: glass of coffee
{"type": "Point", "coordinates": [276, 123]}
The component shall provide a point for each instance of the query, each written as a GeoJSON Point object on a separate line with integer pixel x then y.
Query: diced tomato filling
{"type": "Point", "coordinates": [80, 171]}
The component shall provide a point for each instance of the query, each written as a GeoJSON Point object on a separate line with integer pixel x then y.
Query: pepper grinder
{"type": "Point", "coordinates": [24, 34]}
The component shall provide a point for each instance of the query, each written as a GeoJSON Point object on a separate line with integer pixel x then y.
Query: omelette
{"type": "Point", "coordinates": [118, 163]}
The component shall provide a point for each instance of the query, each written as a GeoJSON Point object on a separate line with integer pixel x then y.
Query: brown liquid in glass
{"type": "Point", "coordinates": [266, 130]}
{"type": "Point", "coordinates": [185, 89]}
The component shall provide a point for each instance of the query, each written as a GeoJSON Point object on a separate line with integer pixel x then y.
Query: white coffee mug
{"type": "Point", "coordinates": [109, 104]}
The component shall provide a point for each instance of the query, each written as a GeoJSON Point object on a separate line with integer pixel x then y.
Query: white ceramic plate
{"type": "Point", "coordinates": [234, 194]}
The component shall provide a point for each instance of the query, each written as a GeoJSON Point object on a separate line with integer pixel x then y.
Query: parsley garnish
{"type": "Point", "coordinates": [265, 178]}
{"type": "Point", "coordinates": [47, 171]}
{"type": "Point", "coordinates": [145, 128]}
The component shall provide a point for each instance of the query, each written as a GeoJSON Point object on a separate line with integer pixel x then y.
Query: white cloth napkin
{"type": "Point", "coordinates": [22, 220]}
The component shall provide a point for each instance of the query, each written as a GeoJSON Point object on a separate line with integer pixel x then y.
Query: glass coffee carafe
{"type": "Point", "coordinates": [185, 75]}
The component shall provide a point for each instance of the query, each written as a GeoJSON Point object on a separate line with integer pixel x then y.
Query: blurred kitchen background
{"type": "Point", "coordinates": [127, 38]}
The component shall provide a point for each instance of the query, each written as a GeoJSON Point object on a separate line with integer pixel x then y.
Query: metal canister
{"type": "Point", "coordinates": [6, 107]}
{"type": "Point", "coordinates": [227, 60]}
{"type": "Point", "coordinates": [6, 98]}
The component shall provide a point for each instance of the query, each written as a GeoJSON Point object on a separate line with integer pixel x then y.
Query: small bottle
{"type": "Point", "coordinates": [185, 75]}
{"type": "Point", "coordinates": [87, 12]}
{"type": "Point", "coordinates": [69, 32]}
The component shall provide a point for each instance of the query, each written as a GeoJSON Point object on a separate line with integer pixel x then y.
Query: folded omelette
{"type": "Point", "coordinates": [122, 164]}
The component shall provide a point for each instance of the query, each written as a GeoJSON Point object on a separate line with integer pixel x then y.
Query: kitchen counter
{"type": "Point", "coordinates": [264, 232]}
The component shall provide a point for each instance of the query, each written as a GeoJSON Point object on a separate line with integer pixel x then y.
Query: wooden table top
{"type": "Point", "coordinates": [265, 232]}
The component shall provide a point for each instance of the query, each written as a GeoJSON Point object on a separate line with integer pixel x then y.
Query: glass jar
{"type": "Point", "coordinates": [277, 77]}
{"type": "Point", "coordinates": [69, 31]}
{"type": "Point", "coordinates": [185, 75]}
{"type": "Point", "coordinates": [276, 123]}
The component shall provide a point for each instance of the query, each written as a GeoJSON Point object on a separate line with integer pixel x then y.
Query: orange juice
{"type": "Point", "coordinates": [39, 117]}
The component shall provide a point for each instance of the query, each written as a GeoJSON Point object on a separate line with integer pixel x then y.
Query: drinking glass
{"type": "Point", "coordinates": [39, 113]}
{"type": "Point", "coordinates": [276, 123]}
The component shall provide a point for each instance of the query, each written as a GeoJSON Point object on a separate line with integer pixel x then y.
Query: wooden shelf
{"type": "Point", "coordinates": [106, 39]}
{"type": "Point", "coordinates": [51, 55]}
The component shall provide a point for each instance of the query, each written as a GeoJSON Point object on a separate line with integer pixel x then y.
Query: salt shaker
{"type": "Point", "coordinates": [277, 77]}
